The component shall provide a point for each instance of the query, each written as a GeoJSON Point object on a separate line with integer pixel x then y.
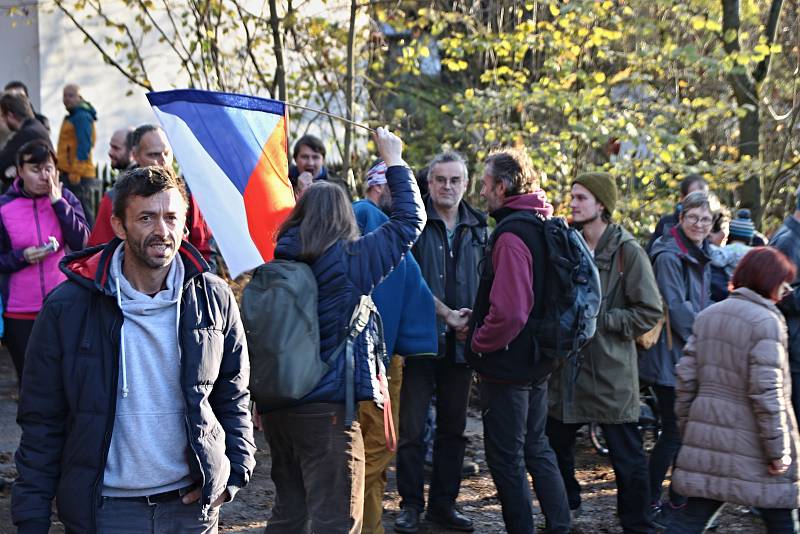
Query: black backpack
{"type": "Point", "coordinates": [572, 292]}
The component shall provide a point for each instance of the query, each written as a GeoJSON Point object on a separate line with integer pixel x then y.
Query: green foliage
{"type": "Point", "coordinates": [568, 79]}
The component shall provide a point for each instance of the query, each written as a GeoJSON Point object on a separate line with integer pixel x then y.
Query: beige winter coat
{"type": "Point", "coordinates": [733, 406]}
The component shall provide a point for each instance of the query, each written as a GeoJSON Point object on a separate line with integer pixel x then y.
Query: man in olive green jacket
{"type": "Point", "coordinates": [606, 390]}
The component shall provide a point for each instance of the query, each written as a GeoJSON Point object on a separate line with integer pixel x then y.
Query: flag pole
{"type": "Point", "coordinates": [333, 116]}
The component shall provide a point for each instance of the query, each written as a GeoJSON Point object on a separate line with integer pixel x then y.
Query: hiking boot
{"type": "Point", "coordinates": [407, 520]}
{"type": "Point", "coordinates": [451, 519]}
{"type": "Point", "coordinates": [665, 513]}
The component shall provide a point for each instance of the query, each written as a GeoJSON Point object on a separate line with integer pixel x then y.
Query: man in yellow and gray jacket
{"type": "Point", "coordinates": [75, 144]}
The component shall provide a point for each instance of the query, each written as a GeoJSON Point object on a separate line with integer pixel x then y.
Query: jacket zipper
{"type": "Point", "coordinates": [459, 229]}
{"type": "Point", "coordinates": [110, 423]}
{"type": "Point", "coordinates": [39, 235]}
{"type": "Point", "coordinates": [189, 435]}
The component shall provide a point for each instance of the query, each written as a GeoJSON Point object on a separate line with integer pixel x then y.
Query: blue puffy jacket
{"type": "Point", "coordinates": [348, 270]}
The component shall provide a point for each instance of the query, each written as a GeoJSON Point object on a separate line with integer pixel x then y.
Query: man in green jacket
{"type": "Point", "coordinates": [607, 387]}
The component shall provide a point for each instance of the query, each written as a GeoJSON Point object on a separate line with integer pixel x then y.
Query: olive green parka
{"type": "Point", "coordinates": [607, 385]}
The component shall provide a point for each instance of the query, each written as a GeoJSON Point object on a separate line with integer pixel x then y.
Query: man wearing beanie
{"type": "Point", "coordinates": [740, 238]}
{"type": "Point", "coordinates": [787, 240]}
{"type": "Point", "coordinates": [742, 228]}
{"type": "Point", "coordinates": [607, 387]}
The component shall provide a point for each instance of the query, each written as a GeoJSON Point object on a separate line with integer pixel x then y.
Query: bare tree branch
{"type": "Point", "coordinates": [106, 56]}
{"type": "Point", "coordinates": [131, 40]}
{"type": "Point", "coordinates": [185, 60]}
{"type": "Point", "coordinates": [277, 46]}
{"type": "Point", "coordinates": [762, 69]}
{"type": "Point", "coordinates": [350, 86]}
{"type": "Point", "coordinates": [249, 44]}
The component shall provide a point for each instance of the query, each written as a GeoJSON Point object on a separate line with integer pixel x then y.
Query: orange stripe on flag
{"type": "Point", "coordinates": [268, 197]}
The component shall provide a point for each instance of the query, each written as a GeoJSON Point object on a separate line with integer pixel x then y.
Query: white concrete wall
{"type": "Point", "coordinates": [67, 58]}
{"type": "Point", "coordinates": [50, 52]}
{"type": "Point", "coordinates": [19, 47]}
{"type": "Point", "coordinates": [19, 50]}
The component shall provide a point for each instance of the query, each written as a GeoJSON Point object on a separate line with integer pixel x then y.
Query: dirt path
{"type": "Point", "coordinates": [478, 499]}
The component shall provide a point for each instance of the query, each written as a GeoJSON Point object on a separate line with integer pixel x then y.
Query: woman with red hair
{"type": "Point", "coordinates": [733, 404]}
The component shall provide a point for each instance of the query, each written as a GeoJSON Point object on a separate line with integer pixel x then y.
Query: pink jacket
{"type": "Point", "coordinates": [27, 222]}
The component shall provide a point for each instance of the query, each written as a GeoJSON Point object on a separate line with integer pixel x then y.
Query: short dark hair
{"type": "Point", "coordinates": [514, 167]}
{"type": "Point", "coordinates": [35, 151]}
{"type": "Point", "coordinates": [722, 216]}
{"type": "Point", "coordinates": [449, 156]}
{"type": "Point", "coordinates": [135, 137]}
{"type": "Point", "coordinates": [763, 270]}
{"type": "Point", "coordinates": [689, 181]}
{"type": "Point", "coordinates": [311, 141]}
{"type": "Point", "coordinates": [19, 105]}
{"type": "Point", "coordinates": [145, 182]}
{"type": "Point", "coordinates": [129, 140]}
{"type": "Point", "coordinates": [16, 84]}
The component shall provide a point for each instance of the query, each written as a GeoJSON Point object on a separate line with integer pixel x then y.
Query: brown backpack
{"type": "Point", "coordinates": [649, 338]}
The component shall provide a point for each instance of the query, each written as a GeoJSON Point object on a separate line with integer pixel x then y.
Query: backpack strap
{"type": "Point", "coordinates": [389, 433]}
{"type": "Point", "coordinates": [365, 309]}
{"type": "Point", "coordinates": [358, 321]}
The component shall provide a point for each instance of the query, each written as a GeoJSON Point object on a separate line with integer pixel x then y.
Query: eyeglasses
{"type": "Point", "coordinates": [699, 221]}
{"type": "Point", "coordinates": [443, 180]}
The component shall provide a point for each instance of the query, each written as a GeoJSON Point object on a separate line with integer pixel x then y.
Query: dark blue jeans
{"type": "Point", "coordinates": [699, 513]}
{"type": "Point", "coordinates": [666, 450]}
{"type": "Point", "coordinates": [627, 457]}
{"type": "Point", "coordinates": [515, 442]}
{"type": "Point", "coordinates": [121, 516]}
{"type": "Point", "coordinates": [451, 383]}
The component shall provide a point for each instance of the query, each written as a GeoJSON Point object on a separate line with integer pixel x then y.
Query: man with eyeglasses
{"type": "Point", "coordinates": [448, 252]}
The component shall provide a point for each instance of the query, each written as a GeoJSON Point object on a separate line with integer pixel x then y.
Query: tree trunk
{"type": "Point", "coordinates": [746, 90]}
{"type": "Point", "coordinates": [350, 88]}
{"type": "Point", "coordinates": [746, 93]}
{"type": "Point", "coordinates": [277, 46]}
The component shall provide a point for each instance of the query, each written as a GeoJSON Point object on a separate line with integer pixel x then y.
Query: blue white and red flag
{"type": "Point", "coordinates": [233, 153]}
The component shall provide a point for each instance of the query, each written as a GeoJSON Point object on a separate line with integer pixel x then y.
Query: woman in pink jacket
{"type": "Point", "coordinates": [733, 404]}
{"type": "Point", "coordinates": [39, 222]}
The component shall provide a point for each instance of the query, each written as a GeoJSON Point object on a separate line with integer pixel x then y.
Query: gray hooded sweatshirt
{"type": "Point", "coordinates": [149, 446]}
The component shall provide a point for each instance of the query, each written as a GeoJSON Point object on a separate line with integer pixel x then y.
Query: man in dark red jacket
{"type": "Point", "coordinates": [501, 348]}
{"type": "Point", "coordinates": [151, 147]}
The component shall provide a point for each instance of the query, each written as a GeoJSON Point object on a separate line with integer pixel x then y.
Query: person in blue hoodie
{"type": "Point", "coordinates": [408, 313]}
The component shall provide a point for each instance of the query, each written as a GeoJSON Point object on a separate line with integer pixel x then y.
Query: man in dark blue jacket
{"type": "Point", "coordinates": [134, 402]}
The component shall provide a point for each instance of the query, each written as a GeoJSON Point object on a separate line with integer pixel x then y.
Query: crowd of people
{"type": "Point", "coordinates": [134, 369]}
